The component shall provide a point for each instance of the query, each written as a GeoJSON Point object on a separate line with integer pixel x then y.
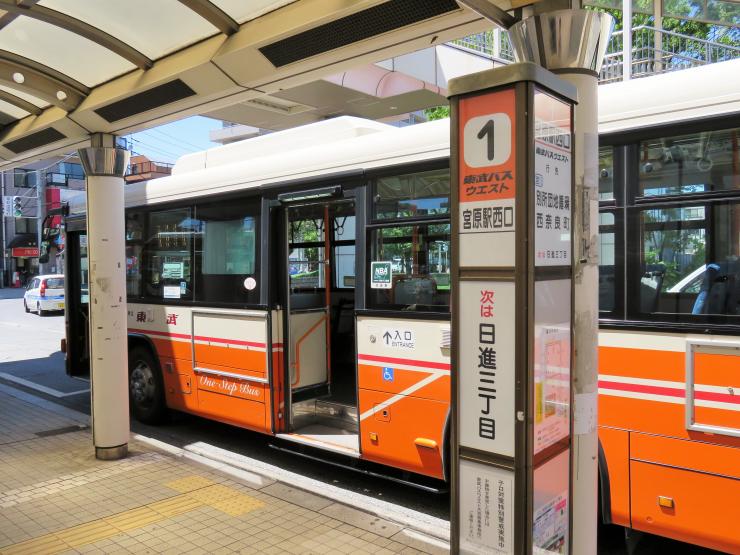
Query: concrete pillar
{"type": "Point", "coordinates": [572, 43]}
{"type": "Point", "coordinates": [105, 166]}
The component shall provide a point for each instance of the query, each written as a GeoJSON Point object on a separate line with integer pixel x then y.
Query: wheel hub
{"type": "Point", "coordinates": [142, 383]}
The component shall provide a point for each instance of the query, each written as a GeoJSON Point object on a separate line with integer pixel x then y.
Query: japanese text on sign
{"type": "Point", "coordinates": [552, 181]}
{"type": "Point", "coordinates": [486, 505]}
{"type": "Point", "coordinates": [486, 391]}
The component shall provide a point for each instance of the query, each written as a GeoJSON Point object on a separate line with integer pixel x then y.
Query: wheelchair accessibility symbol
{"type": "Point", "coordinates": [387, 374]}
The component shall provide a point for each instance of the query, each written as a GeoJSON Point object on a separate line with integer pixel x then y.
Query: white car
{"type": "Point", "coordinates": [44, 293]}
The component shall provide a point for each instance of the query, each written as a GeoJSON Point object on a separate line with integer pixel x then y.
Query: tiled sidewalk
{"type": "Point", "coordinates": [55, 497]}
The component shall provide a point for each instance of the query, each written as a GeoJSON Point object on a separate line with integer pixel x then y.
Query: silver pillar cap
{"type": "Point", "coordinates": [563, 39]}
{"type": "Point", "coordinates": [104, 161]}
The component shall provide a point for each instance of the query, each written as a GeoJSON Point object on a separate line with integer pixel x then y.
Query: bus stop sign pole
{"type": "Point", "coordinates": [512, 214]}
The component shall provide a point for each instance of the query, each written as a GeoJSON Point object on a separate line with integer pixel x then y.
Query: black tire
{"type": "Point", "coordinates": [145, 387]}
{"type": "Point", "coordinates": [39, 311]}
{"type": "Point", "coordinates": [25, 307]}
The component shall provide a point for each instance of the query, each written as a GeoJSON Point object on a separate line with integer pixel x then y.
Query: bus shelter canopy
{"type": "Point", "coordinates": [72, 67]}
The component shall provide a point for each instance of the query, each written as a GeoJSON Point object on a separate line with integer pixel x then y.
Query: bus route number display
{"type": "Point", "coordinates": [487, 179]}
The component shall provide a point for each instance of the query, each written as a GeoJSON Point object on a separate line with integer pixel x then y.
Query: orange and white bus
{"type": "Point", "coordinates": [298, 284]}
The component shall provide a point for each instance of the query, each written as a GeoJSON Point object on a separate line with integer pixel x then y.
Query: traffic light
{"type": "Point", "coordinates": [17, 208]}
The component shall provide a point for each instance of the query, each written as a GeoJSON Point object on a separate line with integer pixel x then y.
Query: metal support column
{"type": "Point", "coordinates": [626, 40]}
{"type": "Point", "coordinates": [572, 43]}
{"type": "Point", "coordinates": [105, 166]}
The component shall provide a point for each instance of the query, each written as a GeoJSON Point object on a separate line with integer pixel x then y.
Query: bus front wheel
{"type": "Point", "coordinates": [146, 388]}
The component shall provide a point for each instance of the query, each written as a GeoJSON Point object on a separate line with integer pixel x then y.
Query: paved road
{"type": "Point", "coordinates": [30, 360]}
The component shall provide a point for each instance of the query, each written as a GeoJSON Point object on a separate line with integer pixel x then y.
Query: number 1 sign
{"type": "Point", "coordinates": [487, 179]}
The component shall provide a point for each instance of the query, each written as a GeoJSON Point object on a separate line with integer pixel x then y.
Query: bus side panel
{"type": "Point", "coordinates": [223, 343]}
{"type": "Point", "coordinates": [180, 390]}
{"type": "Point", "coordinates": [404, 392]}
{"type": "Point", "coordinates": [278, 373]}
{"type": "Point", "coordinates": [642, 386]}
{"type": "Point", "coordinates": [705, 510]}
{"type": "Point", "coordinates": [616, 450]}
{"type": "Point", "coordinates": [406, 433]}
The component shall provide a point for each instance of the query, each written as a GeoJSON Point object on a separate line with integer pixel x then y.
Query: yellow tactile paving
{"type": "Point", "coordinates": [135, 518]}
{"type": "Point", "coordinates": [190, 483]}
{"type": "Point", "coordinates": [212, 494]}
{"type": "Point", "coordinates": [175, 505]}
{"type": "Point", "coordinates": [87, 533]}
{"type": "Point", "coordinates": [237, 505]}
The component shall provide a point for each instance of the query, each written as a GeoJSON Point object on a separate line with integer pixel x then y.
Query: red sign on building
{"type": "Point", "coordinates": [24, 252]}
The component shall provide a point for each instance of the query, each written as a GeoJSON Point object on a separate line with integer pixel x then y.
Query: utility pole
{"type": "Point", "coordinates": [40, 204]}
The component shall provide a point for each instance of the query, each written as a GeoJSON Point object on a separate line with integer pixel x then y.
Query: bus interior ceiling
{"type": "Point", "coordinates": [321, 301]}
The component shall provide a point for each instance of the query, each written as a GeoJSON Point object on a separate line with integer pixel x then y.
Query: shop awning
{"type": "Point", "coordinates": [22, 240]}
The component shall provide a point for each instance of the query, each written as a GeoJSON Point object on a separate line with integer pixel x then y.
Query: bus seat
{"type": "Point", "coordinates": [651, 284]}
{"type": "Point", "coordinates": [709, 292]}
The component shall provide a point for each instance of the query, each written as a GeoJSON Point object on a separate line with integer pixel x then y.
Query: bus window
{"type": "Point", "coordinates": [420, 267]}
{"type": "Point", "coordinates": [226, 252]}
{"type": "Point", "coordinates": [691, 259]}
{"type": "Point", "coordinates": [607, 262]}
{"type": "Point", "coordinates": [344, 251]}
{"type": "Point", "coordinates": [695, 163]}
{"type": "Point", "coordinates": [606, 173]}
{"type": "Point", "coordinates": [168, 254]}
{"type": "Point", "coordinates": [134, 249]}
{"type": "Point", "coordinates": [306, 256]}
{"type": "Point", "coordinates": [412, 195]}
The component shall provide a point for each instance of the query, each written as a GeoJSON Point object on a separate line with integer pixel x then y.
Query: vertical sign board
{"type": "Point", "coordinates": [512, 182]}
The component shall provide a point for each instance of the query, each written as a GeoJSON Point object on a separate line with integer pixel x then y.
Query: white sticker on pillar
{"type": "Point", "coordinates": [486, 374]}
{"type": "Point", "coordinates": [553, 158]}
{"type": "Point", "coordinates": [486, 509]}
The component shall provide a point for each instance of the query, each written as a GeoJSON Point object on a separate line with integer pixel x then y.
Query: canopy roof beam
{"type": "Point", "coordinates": [41, 81]}
{"type": "Point", "coordinates": [18, 102]}
{"type": "Point", "coordinates": [213, 14]}
{"type": "Point", "coordinates": [77, 27]}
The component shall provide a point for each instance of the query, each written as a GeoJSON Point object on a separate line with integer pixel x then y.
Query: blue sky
{"type": "Point", "coordinates": [167, 143]}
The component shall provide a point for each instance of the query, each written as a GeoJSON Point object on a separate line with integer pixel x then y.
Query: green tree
{"type": "Point", "coordinates": [438, 112]}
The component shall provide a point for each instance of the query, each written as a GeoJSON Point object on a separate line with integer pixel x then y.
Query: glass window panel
{"type": "Point", "coordinates": [420, 267]}
{"type": "Point", "coordinates": [642, 6]}
{"type": "Point", "coordinates": [153, 28]}
{"type": "Point", "coordinates": [690, 260]}
{"type": "Point", "coordinates": [25, 96]}
{"type": "Point", "coordinates": [726, 12]}
{"type": "Point", "coordinates": [607, 262]}
{"type": "Point", "coordinates": [344, 254]}
{"type": "Point", "coordinates": [606, 173]}
{"type": "Point", "coordinates": [695, 163]}
{"type": "Point", "coordinates": [414, 194]}
{"type": "Point", "coordinates": [610, 4]}
{"type": "Point", "coordinates": [84, 283]}
{"type": "Point", "coordinates": [71, 54]}
{"type": "Point", "coordinates": [226, 252]}
{"type": "Point", "coordinates": [683, 8]}
{"type": "Point", "coordinates": [168, 255]}
{"type": "Point", "coordinates": [242, 11]}
{"type": "Point", "coordinates": [306, 254]}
